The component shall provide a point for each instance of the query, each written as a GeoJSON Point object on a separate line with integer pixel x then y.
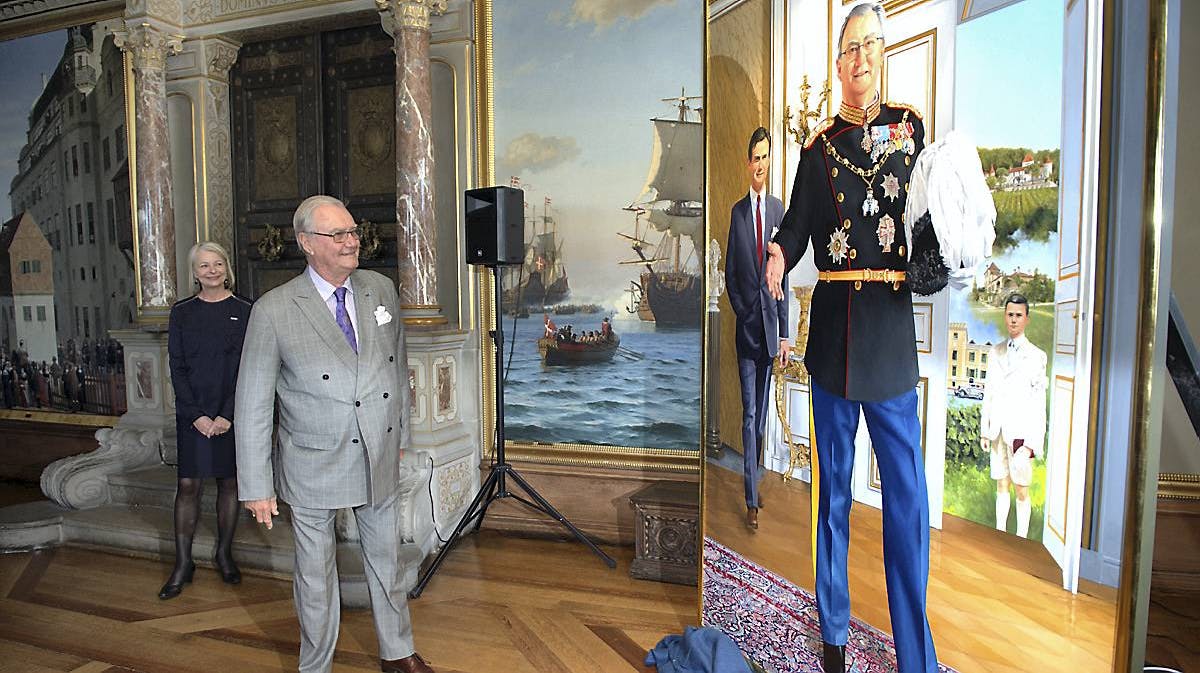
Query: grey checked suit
{"type": "Point", "coordinates": [343, 418]}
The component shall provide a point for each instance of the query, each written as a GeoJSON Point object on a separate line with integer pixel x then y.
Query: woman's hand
{"type": "Point", "coordinates": [205, 425]}
{"type": "Point", "coordinates": [220, 426]}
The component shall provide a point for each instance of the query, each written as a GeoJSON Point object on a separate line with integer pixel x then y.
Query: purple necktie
{"type": "Point", "coordinates": [343, 318]}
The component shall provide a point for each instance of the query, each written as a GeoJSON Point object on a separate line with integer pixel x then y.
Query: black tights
{"type": "Point", "coordinates": [187, 513]}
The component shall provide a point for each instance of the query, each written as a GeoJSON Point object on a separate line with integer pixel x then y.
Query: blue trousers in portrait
{"type": "Point", "coordinates": [896, 436]}
{"type": "Point", "coordinates": [754, 374]}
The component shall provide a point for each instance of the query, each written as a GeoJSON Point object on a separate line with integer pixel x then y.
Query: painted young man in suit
{"type": "Point", "coordinates": [848, 200]}
{"type": "Point", "coordinates": [1012, 424]}
{"type": "Point", "coordinates": [761, 320]}
{"type": "Point", "coordinates": [329, 347]}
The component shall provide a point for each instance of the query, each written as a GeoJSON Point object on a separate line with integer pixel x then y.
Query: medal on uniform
{"type": "Point", "coordinates": [886, 232]}
{"type": "Point", "coordinates": [870, 205]}
{"type": "Point", "coordinates": [866, 139]}
{"type": "Point", "coordinates": [891, 187]}
{"type": "Point", "coordinates": [839, 243]}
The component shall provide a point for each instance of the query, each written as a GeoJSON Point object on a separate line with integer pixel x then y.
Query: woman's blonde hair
{"type": "Point", "coordinates": [209, 246]}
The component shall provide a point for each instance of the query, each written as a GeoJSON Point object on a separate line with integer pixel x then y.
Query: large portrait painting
{"type": "Point", "coordinates": [800, 510]}
{"type": "Point", "coordinates": [598, 119]}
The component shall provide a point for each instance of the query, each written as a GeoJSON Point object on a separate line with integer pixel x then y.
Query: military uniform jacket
{"type": "Point", "coordinates": [861, 342]}
{"type": "Point", "coordinates": [342, 417]}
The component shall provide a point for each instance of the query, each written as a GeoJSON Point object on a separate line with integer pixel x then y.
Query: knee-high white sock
{"type": "Point", "coordinates": [1002, 511]}
{"type": "Point", "coordinates": [1024, 507]}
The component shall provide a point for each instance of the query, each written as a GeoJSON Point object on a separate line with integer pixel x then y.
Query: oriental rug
{"type": "Point", "coordinates": [775, 623]}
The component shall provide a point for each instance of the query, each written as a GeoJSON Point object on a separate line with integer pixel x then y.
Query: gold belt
{"type": "Point", "coordinates": [868, 275]}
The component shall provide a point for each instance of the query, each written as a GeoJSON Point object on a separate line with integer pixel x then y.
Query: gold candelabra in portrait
{"type": "Point", "coordinates": [799, 455]}
{"type": "Point", "coordinates": [805, 116]}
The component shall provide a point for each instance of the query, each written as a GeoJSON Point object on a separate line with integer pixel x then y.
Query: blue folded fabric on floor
{"type": "Point", "coordinates": [698, 650]}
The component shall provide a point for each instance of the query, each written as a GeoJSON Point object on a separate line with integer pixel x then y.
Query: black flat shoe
{"type": "Point", "coordinates": [834, 659]}
{"type": "Point", "coordinates": [171, 589]}
{"type": "Point", "coordinates": [230, 574]}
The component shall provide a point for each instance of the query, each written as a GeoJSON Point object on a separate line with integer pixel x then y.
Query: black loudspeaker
{"type": "Point", "coordinates": [495, 226]}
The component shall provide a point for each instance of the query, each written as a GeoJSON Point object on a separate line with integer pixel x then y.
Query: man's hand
{"type": "Point", "coordinates": [774, 273]}
{"type": "Point", "coordinates": [985, 444]}
{"type": "Point", "coordinates": [220, 425]}
{"type": "Point", "coordinates": [205, 425]}
{"type": "Point", "coordinates": [784, 350]}
{"type": "Point", "coordinates": [1019, 444]}
{"type": "Point", "coordinates": [263, 510]}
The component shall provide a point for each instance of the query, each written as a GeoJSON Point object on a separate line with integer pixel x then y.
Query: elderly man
{"type": "Point", "coordinates": [849, 197]}
{"type": "Point", "coordinates": [328, 346]}
{"type": "Point", "coordinates": [1012, 423]}
{"type": "Point", "coordinates": [761, 320]}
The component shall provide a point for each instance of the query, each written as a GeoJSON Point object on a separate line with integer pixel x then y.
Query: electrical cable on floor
{"type": "Point", "coordinates": [1159, 669]}
{"type": "Point", "coordinates": [432, 514]}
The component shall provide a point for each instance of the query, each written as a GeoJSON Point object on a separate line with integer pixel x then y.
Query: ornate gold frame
{"type": "Point", "coordinates": [1133, 592]}
{"type": "Point", "coordinates": [624, 457]}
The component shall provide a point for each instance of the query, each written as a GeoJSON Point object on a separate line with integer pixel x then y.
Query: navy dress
{"type": "Point", "coordinates": [205, 347]}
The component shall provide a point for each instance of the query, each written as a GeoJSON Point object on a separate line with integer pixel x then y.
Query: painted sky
{"type": "Point", "coordinates": [1018, 103]}
{"type": "Point", "coordinates": [23, 62]}
{"type": "Point", "coordinates": [577, 82]}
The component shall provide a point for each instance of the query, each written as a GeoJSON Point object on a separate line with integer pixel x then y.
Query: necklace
{"type": "Point", "coordinates": [870, 205]}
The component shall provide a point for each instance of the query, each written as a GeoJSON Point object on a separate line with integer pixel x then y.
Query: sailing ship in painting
{"type": "Point", "coordinates": [542, 279]}
{"type": "Point", "coordinates": [670, 206]}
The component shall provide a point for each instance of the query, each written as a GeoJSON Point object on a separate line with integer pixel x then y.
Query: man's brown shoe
{"type": "Point", "coordinates": [410, 664]}
{"type": "Point", "coordinates": [752, 517]}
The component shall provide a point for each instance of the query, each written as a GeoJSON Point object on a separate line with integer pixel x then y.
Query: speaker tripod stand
{"type": "Point", "coordinates": [495, 487]}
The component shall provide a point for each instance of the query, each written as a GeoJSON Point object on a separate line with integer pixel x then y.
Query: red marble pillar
{"type": "Point", "coordinates": [408, 23]}
{"type": "Point", "coordinates": [149, 47]}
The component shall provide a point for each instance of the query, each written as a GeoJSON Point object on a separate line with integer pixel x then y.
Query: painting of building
{"type": "Point", "coordinates": [967, 361]}
{"type": "Point", "coordinates": [72, 180]}
{"type": "Point", "coordinates": [27, 320]}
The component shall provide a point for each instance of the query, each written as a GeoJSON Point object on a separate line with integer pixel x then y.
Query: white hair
{"type": "Point", "coordinates": [302, 221]}
{"type": "Point", "coordinates": [216, 248]}
{"type": "Point", "coordinates": [862, 9]}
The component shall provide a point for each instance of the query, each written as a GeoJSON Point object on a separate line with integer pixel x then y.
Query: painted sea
{"type": "Point", "coordinates": [651, 401]}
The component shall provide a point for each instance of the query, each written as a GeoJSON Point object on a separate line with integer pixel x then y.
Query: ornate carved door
{"type": "Point", "coordinates": [312, 114]}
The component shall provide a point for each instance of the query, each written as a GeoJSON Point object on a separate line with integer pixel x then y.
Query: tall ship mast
{"type": "Point", "coordinates": [671, 208]}
{"type": "Point", "coordinates": [542, 279]}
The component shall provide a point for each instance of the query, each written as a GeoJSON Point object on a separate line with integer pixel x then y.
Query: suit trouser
{"type": "Point", "coordinates": [895, 434]}
{"type": "Point", "coordinates": [315, 582]}
{"type": "Point", "coordinates": [754, 374]}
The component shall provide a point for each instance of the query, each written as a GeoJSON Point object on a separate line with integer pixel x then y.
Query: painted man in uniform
{"type": "Point", "coordinates": [849, 196]}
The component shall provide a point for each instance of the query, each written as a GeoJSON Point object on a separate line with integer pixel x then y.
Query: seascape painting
{"type": "Point", "coordinates": [598, 119]}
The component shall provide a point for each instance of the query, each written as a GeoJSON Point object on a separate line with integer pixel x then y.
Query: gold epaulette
{"type": "Point", "coordinates": [820, 128]}
{"type": "Point", "coordinates": [906, 106]}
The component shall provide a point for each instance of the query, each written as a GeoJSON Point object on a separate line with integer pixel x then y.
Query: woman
{"type": "Point", "coordinates": [205, 346]}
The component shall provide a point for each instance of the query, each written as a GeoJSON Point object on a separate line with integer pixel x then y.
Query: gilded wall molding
{"type": "Point", "coordinates": [408, 13]}
{"type": "Point", "coordinates": [1178, 486]}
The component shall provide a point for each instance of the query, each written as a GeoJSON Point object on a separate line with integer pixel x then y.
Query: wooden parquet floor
{"type": "Point", "coordinates": [995, 603]}
{"type": "Point", "coordinates": [498, 605]}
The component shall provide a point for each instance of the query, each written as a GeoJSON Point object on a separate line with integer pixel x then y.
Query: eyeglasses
{"type": "Point", "coordinates": [337, 236]}
{"type": "Point", "coordinates": [869, 46]}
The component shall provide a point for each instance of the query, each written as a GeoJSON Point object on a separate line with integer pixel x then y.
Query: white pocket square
{"type": "Point", "coordinates": [382, 317]}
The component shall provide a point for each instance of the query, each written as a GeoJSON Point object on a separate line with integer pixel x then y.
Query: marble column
{"type": "Point", "coordinates": [149, 47]}
{"type": "Point", "coordinates": [407, 21]}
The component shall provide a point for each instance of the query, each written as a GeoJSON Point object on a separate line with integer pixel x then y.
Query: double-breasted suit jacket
{"type": "Point", "coordinates": [761, 319]}
{"type": "Point", "coordinates": [862, 341]}
{"type": "Point", "coordinates": [342, 418]}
